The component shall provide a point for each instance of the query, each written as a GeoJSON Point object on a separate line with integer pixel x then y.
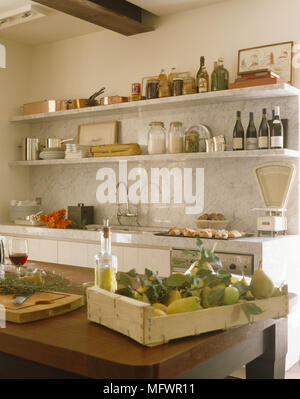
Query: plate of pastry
{"type": "Point", "coordinates": [218, 234]}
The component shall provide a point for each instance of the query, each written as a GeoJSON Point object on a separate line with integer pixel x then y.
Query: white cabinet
{"type": "Point", "coordinates": [72, 253]}
{"type": "Point", "coordinates": [83, 254]}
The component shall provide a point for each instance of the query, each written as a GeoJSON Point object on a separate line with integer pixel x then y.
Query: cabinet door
{"type": "Point", "coordinates": [42, 250]}
{"type": "Point", "coordinates": [157, 260]}
{"type": "Point", "coordinates": [72, 253]}
{"type": "Point", "coordinates": [131, 259]}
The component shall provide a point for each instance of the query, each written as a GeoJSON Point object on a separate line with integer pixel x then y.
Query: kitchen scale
{"type": "Point", "coordinates": [274, 182]}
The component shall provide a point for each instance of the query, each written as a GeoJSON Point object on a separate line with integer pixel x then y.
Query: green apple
{"type": "Point", "coordinates": [231, 296]}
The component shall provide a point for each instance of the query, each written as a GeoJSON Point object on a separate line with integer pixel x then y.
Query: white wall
{"type": "Point", "coordinates": [14, 88]}
{"type": "Point", "coordinates": [78, 66]}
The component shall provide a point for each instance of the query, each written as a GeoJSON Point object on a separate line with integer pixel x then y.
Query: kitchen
{"type": "Point", "coordinates": [75, 60]}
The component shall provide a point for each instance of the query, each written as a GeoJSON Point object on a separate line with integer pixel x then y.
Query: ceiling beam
{"type": "Point", "coordinates": [117, 15]}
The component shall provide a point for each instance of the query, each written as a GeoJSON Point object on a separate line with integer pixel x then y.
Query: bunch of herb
{"type": "Point", "coordinates": [51, 282]}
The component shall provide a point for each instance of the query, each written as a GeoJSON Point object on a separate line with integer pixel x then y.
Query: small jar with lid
{"type": "Point", "coordinates": [175, 138]}
{"type": "Point", "coordinates": [177, 86]}
{"type": "Point", "coordinates": [189, 85]}
{"type": "Point", "coordinates": [191, 141]}
{"type": "Point", "coordinates": [157, 138]}
{"type": "Point", "coordinates": [152, 88]}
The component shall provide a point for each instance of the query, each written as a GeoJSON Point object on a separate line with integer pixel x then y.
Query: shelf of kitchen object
{"type": "Point", "coordinates": [248, 93]}
{"type": "Point", "coordinates": [165, 157]}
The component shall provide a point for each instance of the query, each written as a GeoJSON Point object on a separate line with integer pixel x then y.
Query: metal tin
{"type": "Point", "coordinates": [136, 89]}
{"type": "Point", "coordinates": [81, 215]}
{"type": "Point", "coordinates": [30, 149]}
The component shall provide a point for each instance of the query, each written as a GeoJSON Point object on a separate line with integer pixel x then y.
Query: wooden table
{"type": "Point", "coordinates": [69, 346]}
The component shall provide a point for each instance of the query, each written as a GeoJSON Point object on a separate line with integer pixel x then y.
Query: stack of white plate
{"type": "Point", "coordinates": [54, 153]}
{"type": "Point", "coordinates": [77, 151]}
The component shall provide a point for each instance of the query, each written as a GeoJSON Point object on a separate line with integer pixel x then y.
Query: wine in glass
{"type": "Point", "coordinates": [18, 252]}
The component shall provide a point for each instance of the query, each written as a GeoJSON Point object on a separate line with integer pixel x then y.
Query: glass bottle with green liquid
{"type": "Point", "coordinates": [220, 77]}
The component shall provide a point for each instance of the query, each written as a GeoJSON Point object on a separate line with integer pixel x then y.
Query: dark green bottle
{"type": "Point", "coordinates": [264, 132]}
{"type": "Point", "coordinates": [238, 134]}
{"type": "Point", "coordinates": [251, 136]}
{"type": "Point", "coordinates": [220, 77]}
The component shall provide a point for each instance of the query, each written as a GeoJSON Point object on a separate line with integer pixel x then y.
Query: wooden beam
{"type": "Point", "coordinates": [118, 15]}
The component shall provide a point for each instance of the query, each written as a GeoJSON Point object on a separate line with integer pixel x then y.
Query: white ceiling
{"type": "Point", "coordinates": [166, 7]}
{"type": "Point", "coordinates": [58, 26]}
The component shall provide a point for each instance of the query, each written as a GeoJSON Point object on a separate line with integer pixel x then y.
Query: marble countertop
{"type": "Point", "coordinates": [145, 237]}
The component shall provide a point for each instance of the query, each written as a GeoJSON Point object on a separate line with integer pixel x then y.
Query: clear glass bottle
{"type": "Point", "coordinates": [106, 263]}
{"type": "Point", "coordinates": [162, 75]}
{"type": "Point", "coordinates": [175, 138]}
{"type": "Point", "coordinates": [157, 138]}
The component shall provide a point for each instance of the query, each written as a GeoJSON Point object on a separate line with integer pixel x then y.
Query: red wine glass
{"type": "Point", "coordinates": [18, 252]}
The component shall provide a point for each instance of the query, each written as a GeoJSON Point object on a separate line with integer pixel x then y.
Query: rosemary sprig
{"type": "Point", "coordinates": [51, 282]}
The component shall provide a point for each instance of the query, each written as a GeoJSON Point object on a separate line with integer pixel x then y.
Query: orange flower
{"type": "Point", "coordinates": [56, 220]}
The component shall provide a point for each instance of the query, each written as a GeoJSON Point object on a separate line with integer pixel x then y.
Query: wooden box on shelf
{"type": "Point", "coordinates": [136, 319]}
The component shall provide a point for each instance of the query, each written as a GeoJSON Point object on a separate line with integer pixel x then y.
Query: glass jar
{"type": "Point", "coordinates": [157, 138]}
{"type": "Point", "coordinates": [175, 138]}
{"type": "Point", "coordinates": [177, 86]}
{"type": "Point", "coordinates": [164, 89]}
{"type": "Point", "coordinates": [191, 141]}
{"type": "Point", "coordinates": [189, 85]}
{"type": "Point", "coordinates": [152, 88]}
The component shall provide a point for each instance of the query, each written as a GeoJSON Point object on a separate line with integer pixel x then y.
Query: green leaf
{"type": "Point", "coordinates": [178, 261]}
{"type": "Point", "coordinates": [203, 273]}
{"type": "Point", "coordinates": [199, 244]}
{"type": "Point", "coordinates": [151, 294]}
{"type": "Point", "coordinates": [243, 289]}
{"type": "Point", "coordinates": [176, 280]}
{"type": "Point", "coordinates": [251, 309]}
{"type": "Point", "coordinates": [189, 252]}
{"type": "Point", "coordinates": [215, 260]}
{"type": "Point", "coordinates": [148, 273]}
{"type": "Point", "coordinates": [131, 273]}
{"type": "Point", "coordinates": [123, 279]}
{"type": "Point", "coordinates": [215, 296]}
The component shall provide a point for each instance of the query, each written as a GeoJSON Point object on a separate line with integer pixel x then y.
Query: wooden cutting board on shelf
{"type": "Point", "coordinates": [41, 305]}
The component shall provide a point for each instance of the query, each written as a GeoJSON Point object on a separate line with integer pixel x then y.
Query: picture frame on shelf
{"type": "Point", "coordinates": [98, 133]}
{"type": "Point", "coordinates": [276, 57]}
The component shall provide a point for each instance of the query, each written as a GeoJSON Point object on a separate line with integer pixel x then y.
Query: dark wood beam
{"type": "Point", "coordinates": [117, 15]}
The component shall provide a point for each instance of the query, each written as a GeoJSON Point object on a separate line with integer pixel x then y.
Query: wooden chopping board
{"type": "Point", "coordinates": [41, 305]}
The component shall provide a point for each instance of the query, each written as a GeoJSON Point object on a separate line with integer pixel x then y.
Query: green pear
{"type": "Point", "coordinates": [261, 285]}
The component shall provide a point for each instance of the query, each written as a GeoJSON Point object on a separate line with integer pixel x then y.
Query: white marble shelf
{"type": "Point", "coordinates": [249, 93]}
{"type": "Point", "coordinates": [165, 157]}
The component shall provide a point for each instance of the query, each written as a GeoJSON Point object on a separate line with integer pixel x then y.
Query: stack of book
{"type": "Point", "coordinates": [256, 78]}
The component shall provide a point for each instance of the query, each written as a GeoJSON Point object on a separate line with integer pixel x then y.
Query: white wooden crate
{"type": "Point", "coordinates": [136, 319]}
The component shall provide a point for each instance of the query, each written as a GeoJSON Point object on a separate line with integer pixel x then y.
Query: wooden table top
{"type": "Point", "coordinates": [71, 343]}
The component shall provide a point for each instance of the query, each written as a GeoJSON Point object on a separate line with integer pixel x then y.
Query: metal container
{"type": "Point", "coordinates": [81, 215]}
{"type": "Point", "coordinates": [30, 149]}
{"type": "Point", "coordinates": [55, 142]}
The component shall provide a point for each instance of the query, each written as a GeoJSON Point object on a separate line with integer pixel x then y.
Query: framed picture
{"type": "Point", "coordinates": [277, 57]}
{"type": "Point", "coordinates": [98, 133]}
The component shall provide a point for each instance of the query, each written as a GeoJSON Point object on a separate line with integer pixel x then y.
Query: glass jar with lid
{"type": "Point", "coordinates": [189, 85]}
{"type": "Point", "coordinates": [157, 138]}
{"type": "Point", "coordinates": [177, 86]}
{"type": "Point", "coordinates": [152, 88]}
{"type": "Point", "coordinates": [191, 141]}
{"type": "Point", "coordinates": [175, 138]}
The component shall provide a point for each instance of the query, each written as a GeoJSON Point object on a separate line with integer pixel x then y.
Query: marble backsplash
{"type": "Point", "coordinates": [230, 186]}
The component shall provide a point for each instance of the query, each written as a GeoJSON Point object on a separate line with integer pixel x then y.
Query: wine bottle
{"type": "Point", "coordinates": [202, 78]}
{"type": "Point", "coordinates": [238, 134]}
{"type": "Point", "coordinates": [220, 77]}
{"type": "Point", "coordinates": [277, 130]}
{"type": "Point", "coordinates": [251, 135]}
{"type": "Point", "coordinates": [264, 132]}
{"type": "Point", "coordinates": [106, 263]}
{"type": "Point", "coordinates": [214, 84]}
